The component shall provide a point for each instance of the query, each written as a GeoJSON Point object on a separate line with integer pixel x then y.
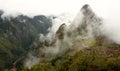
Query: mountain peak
{"type": "Point", "coordinates": [85, 6]}
{"type": "Point", "coordinates": [86, 10]}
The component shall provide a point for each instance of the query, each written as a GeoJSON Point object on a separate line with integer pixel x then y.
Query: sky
{"type": "Point", "coordinates": [49, 7]}
{"type": "Point", "coordinates": [109, 10]}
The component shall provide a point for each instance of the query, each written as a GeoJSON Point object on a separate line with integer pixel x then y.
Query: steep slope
{"type": "Point", "coordinates": [17, 34]}
{"type": "Point", "coordinates": [78, 47]}
{"type": "Point", "coordinates": [73, 37]}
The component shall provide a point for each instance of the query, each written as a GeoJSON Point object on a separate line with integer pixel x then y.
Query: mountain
{"type": "Point", "coordinates": [79, 47]}
{"type": "Point", "coordinates": [72, 37]}
{"type": "Point", "coordinates": [17, 34]}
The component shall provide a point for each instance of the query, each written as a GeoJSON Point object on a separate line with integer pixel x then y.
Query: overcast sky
{"type": "Point", "coordinates": [47, 7]}
{"type": "Point", "coordinates": [109, 10]}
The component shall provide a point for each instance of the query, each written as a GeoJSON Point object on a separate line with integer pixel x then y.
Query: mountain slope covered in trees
{"type": "Point", "coordinates": [17, 34]}
{"type": "Point", "coordinates": [80, 46]}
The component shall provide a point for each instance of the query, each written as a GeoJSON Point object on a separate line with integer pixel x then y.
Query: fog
{"type": "Point", "coordinates": [103, 8]}
{"type": "Point", "coordinates": [108, 10]}
{"type": "Point", "coordinates": [65, 39]}
{"type": "Point", "coordinates": [66, 11]}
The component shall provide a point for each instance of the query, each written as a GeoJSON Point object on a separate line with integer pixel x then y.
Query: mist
{"type": "Point", "coordinates": [70, 44]}
{"type": "Point", "coordinates": [31, 60]}
{"type": "Point", "coordinates": [67, 35]}
{"type": "Point", "coordinates": [67, 12]}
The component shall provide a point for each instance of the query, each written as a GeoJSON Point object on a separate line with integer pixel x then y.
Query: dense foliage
{"type": "Point", "coordinates": [80, 48]}
{"type": "Point", "coordinates": [90, 59]}
{"type": "Point", "coordinates": [17, 34]}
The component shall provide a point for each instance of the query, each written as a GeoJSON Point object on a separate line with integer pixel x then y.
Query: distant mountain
{"type": "Point", "coordinates": [17, 34]}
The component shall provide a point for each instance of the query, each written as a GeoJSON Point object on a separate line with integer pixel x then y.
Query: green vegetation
{"type": "Point", "coordinates": [17, 35]}
{"type": "Point", "coordinates": [92, 59]}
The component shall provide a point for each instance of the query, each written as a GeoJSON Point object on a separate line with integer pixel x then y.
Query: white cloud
{"type": "Point", "coordinates": [102, 7]}
{"type": "Point", "coordinates": [107, 9]}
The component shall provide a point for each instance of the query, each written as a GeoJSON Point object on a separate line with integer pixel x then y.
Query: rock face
{"type": "Point", "coordinates": [91, 20]}
{"type": "Point", "coordinates": [61, 32]}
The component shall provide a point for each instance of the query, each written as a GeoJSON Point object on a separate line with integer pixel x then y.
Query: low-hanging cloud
{"type": "Point", "coordinates": [72, 40]}
{"type": "Point", "coordinates": [66, 37]}
{"type": "Point", "coordinates": [48, 50]}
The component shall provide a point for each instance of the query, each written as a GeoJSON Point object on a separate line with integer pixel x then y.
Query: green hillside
{"type": "Point", "coordinates": [17, 35]}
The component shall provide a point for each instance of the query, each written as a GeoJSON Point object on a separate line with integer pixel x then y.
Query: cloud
{"type": "Point", "coordinates": [62, 40]}
{"type": "Point", "coordinates": [35, 7]}
{"type": "Point", "coordinates": [31, 60]}
{"type": "Point", "coordinates": [108, 10]}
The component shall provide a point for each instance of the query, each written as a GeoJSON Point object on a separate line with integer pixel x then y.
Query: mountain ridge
{"type": "Point", "coordinates": [17, 34]}
{"type": "Point", "coordinates": [78, 47]}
